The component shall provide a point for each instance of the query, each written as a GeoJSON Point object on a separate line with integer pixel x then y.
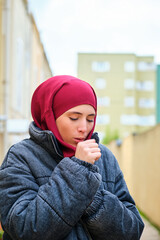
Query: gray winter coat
{"type": "Point", "coordinates": [47, 197]}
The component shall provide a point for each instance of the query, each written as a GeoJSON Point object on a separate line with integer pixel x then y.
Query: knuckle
{"type": "Point", "coordinates": [79, 144]}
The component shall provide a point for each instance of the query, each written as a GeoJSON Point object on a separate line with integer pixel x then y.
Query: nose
{"type": "Point", "coordinates": [82, 126]}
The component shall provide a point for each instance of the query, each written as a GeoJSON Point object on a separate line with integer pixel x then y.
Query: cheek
{"type": "Point", "coordinates": [90, 127]}
{"type": "Point", "coordinates": [66, 130]}
{"type": "Point", "coordinates": [63, 130]}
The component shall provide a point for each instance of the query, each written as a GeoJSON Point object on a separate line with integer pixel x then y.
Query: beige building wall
{"type": "Point", "coordinates": [47, 73]}
{"type": "Point", "coordinates": [40, 66]}
{"type": "Point", "coordinates": [1, 59]}
{"type": "Point", "coordinates": [25, 66]}
{"type": "Point", "coordinates": [20, 58]}
{"type": "Point", "coordinates": [125, 86]}
{"type": "Point", "coordinates": [1, 77]}
{"type": "Point", "coordinates": [139, 159]}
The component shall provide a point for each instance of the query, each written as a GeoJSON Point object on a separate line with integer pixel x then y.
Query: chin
{"type": "Point", "coordinates": [73, 145]}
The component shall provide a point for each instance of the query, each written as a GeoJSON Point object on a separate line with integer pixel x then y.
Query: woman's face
{"type": "Point", "coordinates": [75, 124]}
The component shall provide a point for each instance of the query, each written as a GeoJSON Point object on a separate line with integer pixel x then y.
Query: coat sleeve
{"type": "Point", "coordinates": [113, 215]}
{"type": "Point", "coordinates": [51, 210]}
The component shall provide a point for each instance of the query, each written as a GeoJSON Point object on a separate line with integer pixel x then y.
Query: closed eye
{"type": "Point", "coordinates": [90, 120]}
{"type": "Point", "coordinates": [73, 119]}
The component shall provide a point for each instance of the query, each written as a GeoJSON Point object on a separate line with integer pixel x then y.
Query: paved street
{"type": "Point", "coordinates": [150, 233]}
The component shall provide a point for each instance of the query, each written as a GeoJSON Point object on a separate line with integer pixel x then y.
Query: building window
{"type": "Point", "coordinates": [103, 119]}
{"type": "Point", "coordinates": [129, 66]}
{"type": "Point", "coordinates": [144, 86]}
{"type": "Point", "coordinates": [129, 83]}
{"type": "Point", "coordinates": [146, 66]}
{"type": "Point", "coordinates": [147, 120]}
{"type": "Point", "coordinates": [128, 120]}
{"type": "Point", "coordinates": [103, 101]}
{"type": "Point", "coordinates": [101, 66]}
{"type": "Point", "coordinates": [129, 101]}
{"type": "Point", "coordinates": [100, 83]}
{"type": "Point", "coordinates": [138, 120]}
{"type": "Point", "coordinates": [146, 103]}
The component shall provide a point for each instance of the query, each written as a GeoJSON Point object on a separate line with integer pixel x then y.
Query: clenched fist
{"type": "Point", "coordinates": [88, 151]}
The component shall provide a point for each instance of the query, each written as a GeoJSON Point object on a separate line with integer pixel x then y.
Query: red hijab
{"type": "Point", "coordinates": [54, 97]}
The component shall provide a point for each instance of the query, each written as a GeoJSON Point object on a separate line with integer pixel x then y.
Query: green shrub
{"type": "Point", "coordinates": [1, 234]}
{"type": "Point", "coordinates": [110, 136]}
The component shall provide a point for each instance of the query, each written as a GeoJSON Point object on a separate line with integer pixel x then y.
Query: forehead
{"type": "Point", "coordinates": [85, 108]}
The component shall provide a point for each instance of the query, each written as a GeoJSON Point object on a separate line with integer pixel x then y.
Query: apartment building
{"type": "Point", "coordinates": [126, 91]}
{"type": "Point", "coordinates": [23, 66]}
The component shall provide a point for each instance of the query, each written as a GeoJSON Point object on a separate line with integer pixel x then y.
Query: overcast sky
{"type": "Point", "coordinates": [111, 26]}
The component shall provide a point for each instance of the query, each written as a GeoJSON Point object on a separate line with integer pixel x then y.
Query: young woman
{"type": "Point", "coordinates": [61, 183]}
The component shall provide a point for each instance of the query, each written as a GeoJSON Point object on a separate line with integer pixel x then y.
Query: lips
{"type": "Point", "coordinates": [79, 139]}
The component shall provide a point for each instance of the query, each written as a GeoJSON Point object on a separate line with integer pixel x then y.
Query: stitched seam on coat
{"type": "Point", "coordinates": [55, 211]}
{"type": "Point", "coordinates": [14, 168]}
{"type": "Point", "coordinates": [120, 175]}
{"type": "Point", "coordinates": [108, 181]}
{"type": "Point", "coordinates": [45, 176]}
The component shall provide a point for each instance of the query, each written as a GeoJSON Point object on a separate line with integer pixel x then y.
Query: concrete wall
{"type": "Point", "coordinates": [139, 159]}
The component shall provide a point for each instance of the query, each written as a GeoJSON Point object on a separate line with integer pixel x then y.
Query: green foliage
{"type": "Point", "coordinates": [110, 136]}
{"type": "Point", "coordinates": [143, 215]}
{"type": "Point", "coordinates": [1, 234]}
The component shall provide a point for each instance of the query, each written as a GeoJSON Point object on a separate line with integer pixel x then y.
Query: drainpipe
{"type": "Point", "coordinates": [6, 30]}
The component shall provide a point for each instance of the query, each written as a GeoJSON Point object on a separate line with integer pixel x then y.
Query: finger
{"type": "Point", "coordinates": [92, 145]}
{"type": "Point", "coordinates": [96, 156]}
{"type": "Point", "coordinates": [86, 143]}
{"type": "Point", "coordinates": [90, 141]}
{"type": "Point", "coordinates": [94, 150]}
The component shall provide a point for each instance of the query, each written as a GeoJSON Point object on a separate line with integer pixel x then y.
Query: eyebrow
{"type": "Point", "coordinates": [79, 113]}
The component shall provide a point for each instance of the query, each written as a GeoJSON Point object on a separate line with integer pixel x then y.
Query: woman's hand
{"type": "Point", "coordinates": [88, 151]}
